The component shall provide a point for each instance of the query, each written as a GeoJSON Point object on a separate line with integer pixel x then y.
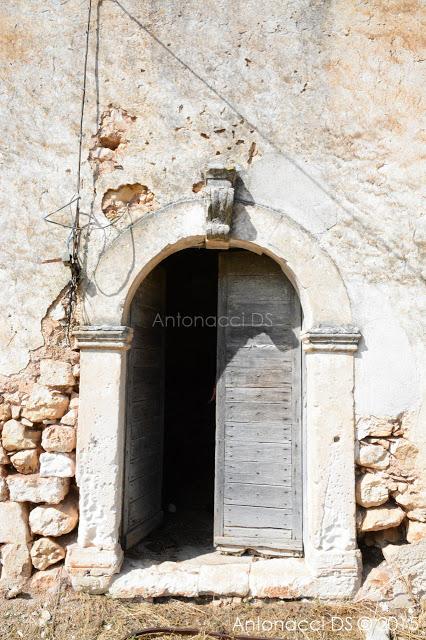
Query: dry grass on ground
{"type": "Point", "coordinates": [71, 616]}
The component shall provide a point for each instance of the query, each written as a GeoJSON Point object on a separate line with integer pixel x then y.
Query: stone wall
{"type": "Point", "coordinates": [390, 488]}
{"type": "Point", "coordinates": [38, 497]}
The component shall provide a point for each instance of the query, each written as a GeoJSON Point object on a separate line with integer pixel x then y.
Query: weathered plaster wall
{"type": "Point", "coordinates": [319, 103]}
{"type": "Point", "coordinates": [41, 60]}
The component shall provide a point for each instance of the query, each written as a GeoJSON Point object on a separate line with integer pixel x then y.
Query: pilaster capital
{"type": "Point", "coordinates": [328, 337]}
{"type": "Point", "coordinates": [104, 337]}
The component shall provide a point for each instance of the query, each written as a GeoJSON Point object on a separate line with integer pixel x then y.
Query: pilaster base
{"type": "Point", "coordinates": [91, 568]}
{"type": "Point", "coordinates": [337, 574]}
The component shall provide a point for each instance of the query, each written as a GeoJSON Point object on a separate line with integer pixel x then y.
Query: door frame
{"type": "Point", "coordinates": [328, 337]}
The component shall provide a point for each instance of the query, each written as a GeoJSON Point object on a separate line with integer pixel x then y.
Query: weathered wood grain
{"type": "Point", "coordinates": [255, 432]}
{"type": "Point", "coordinates": [258, 461]}
{"type": "Point", "coordinates": [258, 495]}
{"type": "Point", "coordinates": [274, 473]}
{"type": "Point", "coordinates": [250, 516]}
{"type": "Point", "coordinates": [144, 412]}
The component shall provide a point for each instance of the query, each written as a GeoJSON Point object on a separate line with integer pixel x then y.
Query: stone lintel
{"type": "Point", "coordinates": [104, 337]}
{"type": "Point", "coordinates": [327, 337]}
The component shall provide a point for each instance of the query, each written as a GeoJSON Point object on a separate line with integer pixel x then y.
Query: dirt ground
{"type": "Point", "coordinates": [70, 616]}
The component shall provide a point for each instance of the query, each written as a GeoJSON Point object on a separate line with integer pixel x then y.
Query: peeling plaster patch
{"type": "Point", "coordinates": [198, 186]}
{"type": "Point", "coordinates": [115, 124]}
{"type": "Point", "coordinates": [53, 339]}
{"type": "Point", "coordinates": [135, 197]}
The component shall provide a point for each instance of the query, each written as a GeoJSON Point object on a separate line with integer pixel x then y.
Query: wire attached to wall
{"type": "Point", "coordinates": [73, 261]}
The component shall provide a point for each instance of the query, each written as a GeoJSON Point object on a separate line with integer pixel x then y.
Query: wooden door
{"type": "Point", "coordinates": [145, 412]}
{"type": "Point", "coordinates": [258, 485]}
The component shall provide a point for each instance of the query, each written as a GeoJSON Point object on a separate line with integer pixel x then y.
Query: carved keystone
{"type": "Point", "coordinates": [219, 198]}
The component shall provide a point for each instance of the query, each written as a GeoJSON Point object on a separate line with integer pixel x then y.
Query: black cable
{"type": "Point", "coordinates": [183, 631]}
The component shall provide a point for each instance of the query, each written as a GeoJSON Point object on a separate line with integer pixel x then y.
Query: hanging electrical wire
{"type": "Point", "coordinates": [73, 243]}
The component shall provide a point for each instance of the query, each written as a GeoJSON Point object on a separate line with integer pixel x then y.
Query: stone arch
{"type": "Point", "coordinates": [139, 248]}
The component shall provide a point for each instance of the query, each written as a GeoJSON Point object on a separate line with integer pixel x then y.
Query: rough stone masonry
{"type": "Point", "coordinates": [320, 105]}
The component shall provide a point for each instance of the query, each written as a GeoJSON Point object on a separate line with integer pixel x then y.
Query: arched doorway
{"type": "Point", "coordinates": [213, 415]}
{"type": "Point", "coordinates": [331, 560]}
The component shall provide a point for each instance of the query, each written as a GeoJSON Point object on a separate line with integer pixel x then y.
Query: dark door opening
{"type": "Point", "coordinates": [213, 421]}
{"type": "Point", "coordinates": [189, 408]}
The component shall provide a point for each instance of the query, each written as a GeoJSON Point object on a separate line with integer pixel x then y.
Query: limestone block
{"type": "Point", "coordinates": [16, 436]}
{"type": "Point", "coordinates": [5, 412]}
{"type": "Point", "coordinates": [383, 584]}
{"type": "Point", "coordinates": [46, 552]}
{"type": "Point", "coordinates": [75, 400]}
{"type": "Point", "coordinates": [372, 456]}
{"type": "Point", "coordinates": [4, 458]}
{"type": "Point", "coordinates": [58, 465]}
{"type": "Point", "coordinates": [224, 580]}
{"type": "Point", "coordinates": [383, 517]}
{"type": "Point", "coordinates": [48, 581]}
{"type": "Point", "coordinates": [14, 523]}
{"type": "Point", "coordinates": [95, 585]}
{"type": "Point", "coordinates": [93, 560]}
{"type": "Point", "coordinates": [76, 371]}
{"type": "Point", "coordinates": [371, 490]}
{"type": "Point", "coordinates": [16, 567]}
{"type": "Point", "coordinates": [34, 488]}
{"type": "Point", "coordinates": [56, 374]}
{"type": "Point", "coordinates": [405, 452]}
{"type": "Point", "coordinates": [373, 426]}
{"type": "Point", "coordinates": [4, 490]}
{"type": "Point", "coordinates": [55, 520]}
{"type": "Point", "coordinates": [16, 411]}
{"type": "Point", "coordinates": [58, 438]}
{"type": "Point", "coordinates": [154, 583]}
{"type": "Point", "coordinates": [45, 404]}
{"type": "Point", "coordinates": [412, 496]}
{"type": "Point", "coordinates": [25, 461]}
{"type": "Point", "coordinates": [409, 561]}
{"type": "Point", "coordinates": [417, 514]}
{"type": "Point", "coordinates": [283, 578]}
{"type": "Point", "coordinates": [70, 418]}
{"type": "Point", "coordinates": [416, 531]}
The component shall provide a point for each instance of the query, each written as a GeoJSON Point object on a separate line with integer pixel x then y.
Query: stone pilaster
{"type": "Point", "coordinates": [100, 455]}
{"type": "Point", "coordinates": [330, 535]}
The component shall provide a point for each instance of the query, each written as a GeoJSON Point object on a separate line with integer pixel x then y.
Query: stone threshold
{"type": "Point", "coordinates": [213, 574]}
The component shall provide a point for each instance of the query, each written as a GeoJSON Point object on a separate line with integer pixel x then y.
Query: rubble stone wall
{"type": "Point", "coordinates": [390, 487]}
{"type": "Point", "coordinates": [38, 496]}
